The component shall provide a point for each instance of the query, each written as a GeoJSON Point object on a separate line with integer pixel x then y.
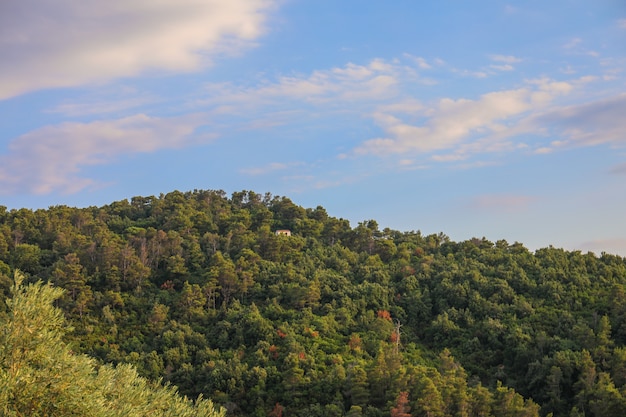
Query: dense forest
{"type": "Point", "coordinates": [198, 289]}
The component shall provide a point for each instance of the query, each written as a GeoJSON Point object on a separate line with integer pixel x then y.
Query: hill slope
{"type": "Point", "coordinates": [198, 289]}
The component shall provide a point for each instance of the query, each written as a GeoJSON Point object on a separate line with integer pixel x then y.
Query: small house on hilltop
{"type": "Point", "coordinates": [283, 232]}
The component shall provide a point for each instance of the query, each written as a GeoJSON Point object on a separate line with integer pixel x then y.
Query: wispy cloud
{"type": "Point", "coordinates": [576, 46]}
{"type": "Point", "coordinates": [507, 59]}
{"type": "Point", "coordinates": [618, 169]}
{"type": "Point", "coordinates": [573, 43]}
{"type": "Point", "coordinates": [504, 62]}
{"type": "Point", "coordinates": [269, 168]}
{"type": "Point", "coordinates": [376, 80]}
{"type": "Point", "coordinates": [454, 128]}
{"type": "Point", "coordinates": [506, 67]}
{"type": "Point", "coordinates": [589, 124]}
{"type": "Point", "coordinates": [101, 105]}
{"type": "Point", "coordinates": [53, 158]}
{"type": "Point", "coordinates": [609, 245]}
{"type": "Point", "coordinates": [472, 74]}
{"type": "Point", "coordinates": [422, 63]}
{"type": "Point", "coordinates": [69, 43]}
{"type": "Point", "coordinates": [450, 123]}
{"type": "Point", "coordinates": [381, 94]}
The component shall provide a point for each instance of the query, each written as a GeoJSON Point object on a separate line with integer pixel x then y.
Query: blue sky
{"type": "Point", "coordinates": [498, 119]}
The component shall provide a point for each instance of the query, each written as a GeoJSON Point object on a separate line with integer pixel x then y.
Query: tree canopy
{"type": "Point", "coordinates": [197, 289]}
{"type": "Point", "coordinates": [41, 376]}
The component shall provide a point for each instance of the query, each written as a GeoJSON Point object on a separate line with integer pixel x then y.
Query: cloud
{"type": "Point", "coordinates": [622, 23]}
{"type": "Point", "coordinates": [103, 105]}
{"type": "Point", "coordinates": [61, 43]}
{"type": "Point", "coordinates": [421, 62]}
{"type": "Point", "coordinates": [376, 81]}
{"type": "Point", "coordinates": [52, 158]}
{"type": "Point", "coordinates": [574, 42]}
{"type": "Point", "coordinates": [507, 59]}
{"type": "Point", "coordinates": [490, 123]}
{"type": "Point", "coordinates": [473, 74]}
{"type": "Point", "coordinates": [449, 129]}
{"type": "Point", "coordinates": [448, 158]}
{"type": "Point", "coordinates": [575, 46]}
{"type": "Point", "coordinates": [269, 168]}
{"type": "Point", "coordinates": [543, 150]}
{"type": "Point", "coordinates": [594, 123]}
{"type": "Point", "coordinates": [353, 82]}
{"type": "Point", "coordinates": [608, 245]}
{"type": "Point", "coordinates": [618, 169]}
{"type": "Point", "coordinates": [452, 122]}
{"type": "Point", "coordinates": [506, 67]}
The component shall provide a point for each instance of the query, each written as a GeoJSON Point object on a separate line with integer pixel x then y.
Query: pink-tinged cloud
{"type": "Point", "coordinates": [53, 158]}
{"type": "Point", "coordinates": [449, 123]}
{"type": "Point", "coordinates": [589, 124]}
{"type": "Point", "coordinates": [492, 122]}
{"type": "Point", "coordinates": [618, 169]}
{"type": "Point", "coordinates": [62, 43]}
{"type": "Point", "coordinates": [609, 245]}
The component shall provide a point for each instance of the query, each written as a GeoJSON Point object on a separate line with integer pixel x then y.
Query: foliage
{"type": "Point", "coordinates": [41, 376]}
{"type": "Point", "coordinates": [197, 289]}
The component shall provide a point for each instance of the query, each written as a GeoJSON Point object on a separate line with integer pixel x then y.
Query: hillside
{"type": "Point", "coordinates": [197, 288]}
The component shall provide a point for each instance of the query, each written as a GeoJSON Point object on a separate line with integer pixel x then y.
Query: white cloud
{"type": "Point", "coordinates": [60, 43]}
{"type": "Point", "coordinates": [488, 124]}
{"type": "Point", "coordinates": [507, 59]}
{"type": "Point", "coordinates": [543, 150]}
{"type": "Point", "coordinates": [504, 62]}
{"type": "Point", "coordinates": [574, 42]}
{"type": "Point", "coordinates": [506, 67]}
{"type": "Point", "coordinates": [448, 158]}
{"type": "Point", "coordinates": [98, 105]}
{"type": "Point", "coordinates": [622, 23]}
{"type": "Point", "coordinates": [269, 168]}
{"type": "Point", "coordinates": [375, 81]}
{"type": "Point", "coordinates": [419, 61]}
{"type": "Point", "coordinates": [449, 123]}
{"type": "Point", "coordinates": [52, 158]}
{"type": "Point", "coordinates": [473, 74]}
{"type": "Point", "coordinates": [575, 46]}
{"type": "Point", "coordinates": [377, 91]}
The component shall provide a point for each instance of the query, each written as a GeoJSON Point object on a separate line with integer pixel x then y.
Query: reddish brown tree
{"type": "Point", "coordinates": [402, 407]}
{"type": "Point", "coordinates": [277, 411]}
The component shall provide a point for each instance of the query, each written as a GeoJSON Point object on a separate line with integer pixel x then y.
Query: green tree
{"type": "Point", "coordinates": [357, 386]}
{"type": "Point", "coordinates": [224, 271]}
{"type": "Point", "coordinates": [69, 274]}
{"type": "Point", "coordinates": [41, 376]}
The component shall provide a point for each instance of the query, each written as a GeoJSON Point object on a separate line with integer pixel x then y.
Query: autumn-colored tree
{"type": "Point", "coordinates": [277, 411]}
{"type": "Point", "coordinates": [402, 408]}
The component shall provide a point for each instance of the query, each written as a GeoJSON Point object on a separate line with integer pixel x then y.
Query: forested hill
{"type": "Point", "coordinates": [197, 288]}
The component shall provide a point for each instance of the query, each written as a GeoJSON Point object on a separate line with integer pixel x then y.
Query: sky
{"type": "Point", "coordinates": [496, 119]}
